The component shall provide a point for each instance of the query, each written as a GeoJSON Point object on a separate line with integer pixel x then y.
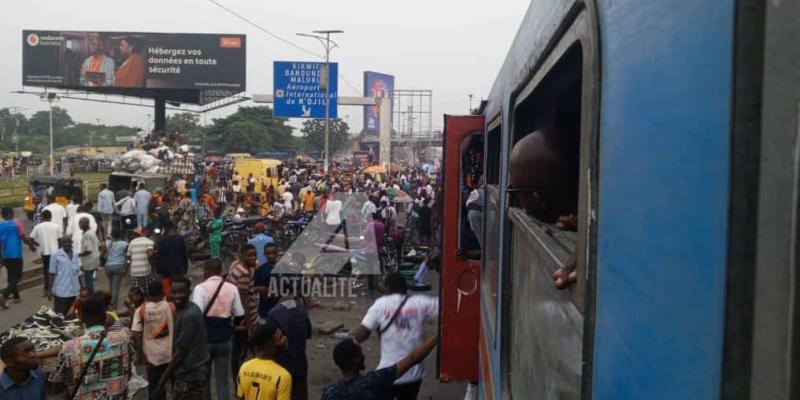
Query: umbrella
{"type": "Point", "coordinates": [403, 199]}
{"type": "Point", "coordinates": [396, 167]}
{"type": "Point", "coordinates": [399, 196]}
{"type": "Point", "coordinates": [307, 159]}
{"type": "Point", "coordinates": [375, 169]}
{"type": "Point", "coordinates": [392, 192]}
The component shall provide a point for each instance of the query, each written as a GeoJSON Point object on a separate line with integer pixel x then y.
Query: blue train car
{"type": "Point", "coordinates": [682, 124]}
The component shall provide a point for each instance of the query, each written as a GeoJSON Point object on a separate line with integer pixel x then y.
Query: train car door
{"type": "Point", "coordinates": [460, 279]}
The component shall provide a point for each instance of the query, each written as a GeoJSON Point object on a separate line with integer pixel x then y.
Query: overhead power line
{"type": "Point", "coordinates": [262, 29]}
{"type": "Point", "coordinates": [284, 40]}
{"type": "Point", "coordinates": [347, 82]}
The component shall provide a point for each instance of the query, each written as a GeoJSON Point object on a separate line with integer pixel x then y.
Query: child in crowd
{"type": "Point", "coordinates": [75, 308]}
{"type": "Point", "coordinates": [132, 302]}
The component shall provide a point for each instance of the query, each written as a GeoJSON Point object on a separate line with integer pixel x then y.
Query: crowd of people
{"type": "Point", "coordinates": [195, 340]}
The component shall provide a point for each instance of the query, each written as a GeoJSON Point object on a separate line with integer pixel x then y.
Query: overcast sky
{"type": "Point", "coordinates": [453, 47]}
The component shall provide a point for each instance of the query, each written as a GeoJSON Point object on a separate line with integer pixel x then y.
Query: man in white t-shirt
{"type": "Point", "coordinates": [74, 229]}
{"type": "Point", "coordinates": [46, 235]}
{"type": "Point", "coordinates": [333, 218]}
{"type": "Point", "coordinates": [72, 208]}
{"type": "Point", "coordinates": [287, 202]}
{"type": "Point", "coordinates": [399, 320]}
{"type": "Point", "coordinates": [152, 327]}
{"type": "Point", "coordinates": [333, 211]}
{"type": "Point", "coordinates": [57, 211]}
{"type": "Point", "coordinates": [219, 322]}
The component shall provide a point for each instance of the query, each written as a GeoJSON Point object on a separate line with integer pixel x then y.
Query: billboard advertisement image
{"type": "Point", "coordinates": [85, 60]}
{"type": "Point", "coordinates": [376, 85]}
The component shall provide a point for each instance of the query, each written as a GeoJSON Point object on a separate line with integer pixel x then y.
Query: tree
{"type": "Point", "coordinates": [187, 125]}
{"type": "Point", "coordinates": [90, 134]}
{"type": "Point", "coordinates": [252, 130]}
{"type": "Point", "coordinates": [314, 134]}
{"type": "Point", "coordinates": [39, 123]}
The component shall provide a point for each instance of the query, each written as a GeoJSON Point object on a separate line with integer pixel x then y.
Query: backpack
{"type": "Point", "coordinates": [163, 329]}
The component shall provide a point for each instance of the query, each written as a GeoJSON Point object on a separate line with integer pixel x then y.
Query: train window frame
{"type": "Point", "coordinates": [570, 42]}
{"type": "Point", "coordinates": [493, 127]}
{"type": "Point", "coordinates": [578, 27]}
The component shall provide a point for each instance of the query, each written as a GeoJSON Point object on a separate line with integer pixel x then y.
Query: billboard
{"type": "Point", "coordinates": [86, 60]}
{"type": "Point", "coordinates": [376, 85]}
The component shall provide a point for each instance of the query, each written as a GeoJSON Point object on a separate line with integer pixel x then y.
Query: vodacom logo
{"type": "Point", "coordinates": [33, 39]}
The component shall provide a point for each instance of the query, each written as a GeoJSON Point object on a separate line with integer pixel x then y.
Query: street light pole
{"type": "Point", "coordinates": [51, 97]}
{"type": "Point", "coordinates": [326, 43]}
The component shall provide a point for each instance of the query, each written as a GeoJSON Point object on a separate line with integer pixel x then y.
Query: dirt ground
{"type": "Point", "coordinates": [322, 370]}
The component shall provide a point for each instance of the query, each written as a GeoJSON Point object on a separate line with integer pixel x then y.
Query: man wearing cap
{"type": "Point", "coordinates": [260, 240]}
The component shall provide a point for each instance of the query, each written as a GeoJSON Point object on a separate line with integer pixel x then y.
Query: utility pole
{"type": "Point", "coordinates": [91, 134]}
{"type": "Point", "coordinates": [50, 98]}
{"type": "Point", "coordinates": [15, 136]}
{"type": "Point", "coordinates": [12, 113]}
{"type": "Point", "coordinates": [325, 38]}
{"type": "Point", "coordinates": [470, 102]}
{"type": "Point", "coordinates": [147, 132]}
{"type": "Point", "coordinates": [411, 135]}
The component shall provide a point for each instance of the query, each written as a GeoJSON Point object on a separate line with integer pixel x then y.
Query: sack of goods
{"type": "Point", "coordinates": [137, 161]}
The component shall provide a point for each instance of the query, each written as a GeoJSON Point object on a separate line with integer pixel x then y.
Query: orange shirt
{"type": "Point", "coordinates": [131, 72]}
{"type": "Point", "coordinates": [308, 202]}
{"type": "Point", "coordinates": [208, 200]}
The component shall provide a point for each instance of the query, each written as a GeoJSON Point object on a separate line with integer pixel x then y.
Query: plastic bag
{"type": "Point", "coordinates": [136, 383]}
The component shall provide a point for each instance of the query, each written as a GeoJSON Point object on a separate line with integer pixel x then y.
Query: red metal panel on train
{"type": "Point", "coordinates": [460, 281]}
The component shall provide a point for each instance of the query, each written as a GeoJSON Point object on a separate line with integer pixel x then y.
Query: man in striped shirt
{"type": "Point", "coordinates": [140, 250]}
{"type": "Point", "coordinates": [241, 275]}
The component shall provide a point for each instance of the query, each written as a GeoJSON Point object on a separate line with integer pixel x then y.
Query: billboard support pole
{"type": "Point", "coordinates": [385, 130]}
{"type": "Point", "coordinates": [161, 113]}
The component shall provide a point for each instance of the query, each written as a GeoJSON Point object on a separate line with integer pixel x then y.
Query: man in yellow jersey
{"type": "Point", "coordinates": [262, 378]}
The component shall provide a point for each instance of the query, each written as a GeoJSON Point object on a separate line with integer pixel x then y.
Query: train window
{"type": "Point", "coordinates": [545, 155]}
{"type": "Point", "coordinates": [493, 155]}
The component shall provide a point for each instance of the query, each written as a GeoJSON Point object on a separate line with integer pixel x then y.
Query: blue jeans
{"type": "Point", "coordinates": [115, 274]}
{"type": "Point", "coordinates": [220, 354]}
{"type": "Point", "coordinates": [141, 220]}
